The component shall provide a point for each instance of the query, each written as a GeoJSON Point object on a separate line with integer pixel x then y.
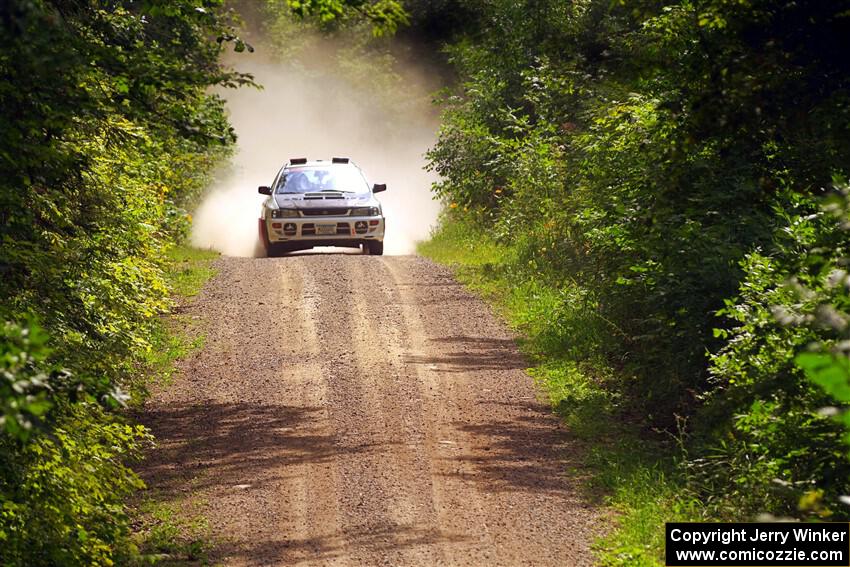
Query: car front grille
{"type": "Point", "coordinates": [329, 212]}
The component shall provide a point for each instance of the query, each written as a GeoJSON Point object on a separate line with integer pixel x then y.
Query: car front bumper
{"type": "Point", "coordinates": [323, 231]}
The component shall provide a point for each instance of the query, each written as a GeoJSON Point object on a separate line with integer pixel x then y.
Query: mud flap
{"type": "Point", "coordinates": [264, 235]}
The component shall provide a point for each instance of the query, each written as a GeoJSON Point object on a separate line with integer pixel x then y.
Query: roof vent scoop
{"type": "Point", "coordinates": [340, 160]}
{"type": "Point", "coordinates": [298, 161]}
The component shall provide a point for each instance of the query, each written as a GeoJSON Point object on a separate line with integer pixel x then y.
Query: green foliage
{"type": "Point", "coordinates": [91, 202]}
{"type": "Point", "coordinates": [63, 493]}
{"type": "Point", "coordinates": [27, 387]}
{"type": "Point", "coordinates": [830, 372]}
{"type": "Point", "coordinates": [385, 16]}
{"type": "Point", "coordinates": [654, 172]}
{"type": "Point", "coordinates": [777, 437]}
{"type": "Point", "coordinates": [585, 140]}
{"type": "Point", "coordinates": [108, 132]}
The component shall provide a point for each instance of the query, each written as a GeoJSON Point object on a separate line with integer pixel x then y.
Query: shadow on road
{"type": "Point", "coordinates": [528, 455]}
{"type": "Point", "coordinates": [465, 354]}
{"type": "Point", "coordinates": [236, 440]}
{"type": "Point", "coordinates": [366, 540]}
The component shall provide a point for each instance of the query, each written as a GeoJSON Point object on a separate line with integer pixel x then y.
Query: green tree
{"type": "Point", "coordinates": [107, 131]}
{"type": "Point", "coordinates": [652, 158]}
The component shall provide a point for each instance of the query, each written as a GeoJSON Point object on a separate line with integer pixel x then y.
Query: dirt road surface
{"type": "Point", "coordinates": [362, 410]}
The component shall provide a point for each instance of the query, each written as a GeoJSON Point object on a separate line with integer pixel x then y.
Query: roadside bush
{"type": "Point", "coordinates": [661, 165]}
{"type": "Point", "coordinates": [63, 458]}
{"type": "Point", "coordinates": [63, 494]}
{"type": "Point", "coordinates": [107, 133]}
{"type": "Point", "coordinates": [778, 439]}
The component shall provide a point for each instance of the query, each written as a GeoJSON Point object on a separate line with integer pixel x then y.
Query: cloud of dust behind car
{"type": "Point", "coordinates": [317, 116]}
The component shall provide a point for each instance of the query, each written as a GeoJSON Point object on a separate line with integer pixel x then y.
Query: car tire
{"type": "Point", "coordinates": [375, 247]}
{"type": "Point", "coordinates": [277, 250]}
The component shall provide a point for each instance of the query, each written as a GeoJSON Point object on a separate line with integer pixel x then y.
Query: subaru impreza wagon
{"type": "Point", "coordinates": [321, 203]}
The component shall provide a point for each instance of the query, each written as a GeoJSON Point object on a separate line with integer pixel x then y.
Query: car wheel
{"type": "Point", "coordinates": [375, 248]}
{"type": "Point", "coordinates": [277, 250]}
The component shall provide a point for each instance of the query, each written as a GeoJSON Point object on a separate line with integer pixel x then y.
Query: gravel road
{"type": "Point", "coordinates": [363, 410]}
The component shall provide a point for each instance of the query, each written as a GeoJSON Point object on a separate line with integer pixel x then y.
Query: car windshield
{"type": "Point", "coordinates": [347, 179]}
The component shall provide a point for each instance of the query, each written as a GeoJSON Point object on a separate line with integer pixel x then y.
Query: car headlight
{"type": "Point", "coordinates": [365, 212]}
{"type": "Point", "coordinates": [284, 213]}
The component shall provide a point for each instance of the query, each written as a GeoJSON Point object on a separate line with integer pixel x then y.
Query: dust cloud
{"type": "Point", "coordinates": [302, 113]}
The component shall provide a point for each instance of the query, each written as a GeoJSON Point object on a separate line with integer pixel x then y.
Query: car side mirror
{"type": "Point", "coordinates": [378, 187]}
{"type": "Point", "coordinates": [264, 190]}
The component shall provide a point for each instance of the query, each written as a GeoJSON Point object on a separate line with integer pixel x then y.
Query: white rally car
{"type": "Point", "coordinates": [321, 203]}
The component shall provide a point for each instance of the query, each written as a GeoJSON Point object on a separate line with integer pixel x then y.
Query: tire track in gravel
{"type": "Point", "coordinates": [360, 410]}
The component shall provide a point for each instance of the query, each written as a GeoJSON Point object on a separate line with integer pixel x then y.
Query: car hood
{"type": "Point", "coordinates": [323, 200]}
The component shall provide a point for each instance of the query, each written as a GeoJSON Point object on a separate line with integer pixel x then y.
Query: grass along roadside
{"type": "Point", "coordinates": [189, 269]}
{"type": "Point", "coordinates": [169, 531]}
{"type": "Point", "coordinates": [634, 471]}
{"type": "Point", "coordinates": [174, 335]}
